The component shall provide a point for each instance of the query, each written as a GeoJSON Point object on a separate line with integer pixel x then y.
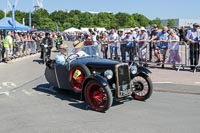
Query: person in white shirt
{"type": "Point", "coordinates": [113, 40]}
{"type": "Point", "coordinates": [61, 57]}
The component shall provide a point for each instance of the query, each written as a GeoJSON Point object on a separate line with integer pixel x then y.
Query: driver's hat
{"type": "Point", "coordinates": [63, 46]}
{"type": "Point", "coordinates": [78, 44]}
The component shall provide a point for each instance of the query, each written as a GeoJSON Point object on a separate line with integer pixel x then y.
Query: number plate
{"type": "Point", "coordinates": [125, 90]}
{"type": "Point", "coordinates": [76, 74]}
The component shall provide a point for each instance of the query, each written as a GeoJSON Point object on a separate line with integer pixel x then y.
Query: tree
{"type": "Point", "coordinates": [141, 19]}
{"type": "Point", "coordinates": [123, 19]}
{"type": "Point", "coordinates": [38, 16]}
{"type": "Point", "coordinates": [59, 16]}
{"type": "Point", "coordinates": [170, 23]}
{"type": "Point", "coordinates": [1, 14]}
{"type": "Point", "coordinates": [86, 20]}
{"type": "Point", "coordinates": [158, 22]}
{"type": "Point", "coordinates": [104, 19]}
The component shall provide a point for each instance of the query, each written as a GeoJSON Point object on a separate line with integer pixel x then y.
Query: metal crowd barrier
{"type": "Point", "coordinates": [182, 52]}
{"type": "Point", "coordinates": [20, 49]}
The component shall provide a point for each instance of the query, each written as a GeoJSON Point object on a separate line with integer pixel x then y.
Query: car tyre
{"type": "Point", "coordinates": [142, 87]}
{"type": "Point", "coordinates": [98, 97]}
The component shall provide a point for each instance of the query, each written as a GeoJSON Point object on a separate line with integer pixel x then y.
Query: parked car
{"type": "Point", "coordinates": [100, 81]}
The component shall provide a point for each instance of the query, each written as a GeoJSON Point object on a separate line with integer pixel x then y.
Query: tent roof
{"type": "Point", "coordinates": [72, 29]}
{"type": "Point", "coordinates": [5, 24]}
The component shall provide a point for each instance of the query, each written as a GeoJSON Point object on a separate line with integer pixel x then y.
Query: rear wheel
{"type": "Point", "coordinates": [77, 75]}
{"type": "Point", "coordinates": [99, 98]}
{"type": "Point", "coordinates": [142, 87]}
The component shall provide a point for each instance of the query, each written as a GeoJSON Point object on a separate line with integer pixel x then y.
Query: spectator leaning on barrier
{"type": "Point", "coordinates": [122, 44]}
{"type": "Point", "coordinates": [173, 49]}
{"type": "Point", "coordinates": [104, 44]}
{"type": "Point", "coordinates": [8, 45]}
{"type": "Point", "coordinates": [113, 39]}
{"type": "Point", "coordinates": [142, 44]}
{"type": "Point", "coordinates": [162, 47]}
{"type": "Point", "coordinates": [129, 45]}
{"type": "Point", "coordinates": [154, 32]}
{"type": "Point", "coordinates": [193, 37]}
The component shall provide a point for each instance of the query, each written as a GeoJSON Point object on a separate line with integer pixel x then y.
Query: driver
{"type": "Point", "coordinates": [61, 57]}
{"type": "Point", "coordinates": [77, 45]}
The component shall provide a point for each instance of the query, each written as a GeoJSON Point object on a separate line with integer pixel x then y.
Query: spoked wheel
{"type": "Point", "coordinates": [99, 98]}
{"type": "Point", "coordinates": [142, 87]}
{"type": "Point", "coordinates": [77, 75]}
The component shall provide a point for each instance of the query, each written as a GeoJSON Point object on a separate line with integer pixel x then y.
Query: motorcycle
{"type": "Point", "coordinates": [45, 52]}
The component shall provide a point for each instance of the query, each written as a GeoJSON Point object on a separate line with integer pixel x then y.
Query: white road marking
{"type": "Point", "coordinates": [5, 93]}
{"type": "Point", "coordinates": [162, 82]}
{"type": "Point", "coordinates": [48, 89]}
{"type": "Point", "coordinates": [197, 82]}
{"type": "Point", "coordinates": [9, 84]}
{"type": "Point", "coordinates": [0, 87]}
{"type": "Point", "coordinates": [27, 92]}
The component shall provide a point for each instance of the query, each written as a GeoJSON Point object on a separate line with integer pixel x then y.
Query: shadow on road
{"type": "Point", "coordinates": [72, 97]}
{"type": "Point", "coordinates": [39, 61]}
{"type": "Point", "coordinates": [75, 99]}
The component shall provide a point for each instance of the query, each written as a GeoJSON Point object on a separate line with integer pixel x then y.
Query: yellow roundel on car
{"type": "Point", "coordinates": [76, 74]}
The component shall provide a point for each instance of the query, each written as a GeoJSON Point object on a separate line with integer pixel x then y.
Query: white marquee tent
{"type": "Point", "coordinates": [72, 29]}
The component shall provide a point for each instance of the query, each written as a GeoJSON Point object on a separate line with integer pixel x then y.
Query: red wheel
{"type": "Point", "coordinates": [99, 98]}
{"type": "Point", "coordinates": [77, 75]}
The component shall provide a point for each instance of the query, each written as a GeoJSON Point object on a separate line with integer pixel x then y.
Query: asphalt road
{"type": "Point", "coordinates": [29, 104]}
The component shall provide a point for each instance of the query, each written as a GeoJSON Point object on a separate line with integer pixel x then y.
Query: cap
{"type": "Point", "coordinates": [195, 25]}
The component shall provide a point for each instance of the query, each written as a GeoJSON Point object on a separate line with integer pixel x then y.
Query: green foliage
{"type": "Point", "coordinates": [170, 23]}
{"type": "Point", "coordinates": [1, 14]}
{"type": "Point", "coordinates": [75, 18]}
{"type": "Point", "coordinates": [158, 22]}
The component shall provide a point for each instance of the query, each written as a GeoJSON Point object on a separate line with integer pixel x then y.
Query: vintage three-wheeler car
{"type": "Point", "coordinates": [100, 81]}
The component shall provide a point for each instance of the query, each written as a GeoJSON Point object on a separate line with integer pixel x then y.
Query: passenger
{"type": "Point", "coordinates": [61, 57]}
{"type": "Point", "coordinates": [77, 45]}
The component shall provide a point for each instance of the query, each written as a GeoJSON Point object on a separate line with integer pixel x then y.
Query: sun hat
{"type": "Point", "coordinates": [142, 29]}
{"type": "Point", "coordinates": [78, 44]}
{"type": "Point", "coordinates": [63, 46]}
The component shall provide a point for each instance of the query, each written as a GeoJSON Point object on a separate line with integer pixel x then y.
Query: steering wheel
{"type": "Point", "coordinates": [72, 56]}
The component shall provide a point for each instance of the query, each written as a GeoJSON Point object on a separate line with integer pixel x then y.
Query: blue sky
{"type": "Point", "coordinates": [164, 9]}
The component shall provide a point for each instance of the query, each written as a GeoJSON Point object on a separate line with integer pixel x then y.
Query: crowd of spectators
{"type": "Point", "coordinates": [121, 43]}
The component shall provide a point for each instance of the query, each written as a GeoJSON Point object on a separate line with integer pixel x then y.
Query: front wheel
{"type": "Point", "coordinates": [142, 87]}
{"type": "Point", "coordinates": [98, 97]}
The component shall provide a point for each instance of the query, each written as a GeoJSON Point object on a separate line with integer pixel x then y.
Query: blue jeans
{"type": "Point", "coordinates": [113, 48]}
{"type": "Point", "coordinates": [123, 52]}
{"type": "Point", "coordinates": [105, 52]}
{"type": "Point", "coordinates": [130, 51]}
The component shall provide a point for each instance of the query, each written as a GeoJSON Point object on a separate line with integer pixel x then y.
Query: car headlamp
{"type": "Point", "coordinates": [133, 69]}
{"type": "Point", "coordinates": [108, 74]}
